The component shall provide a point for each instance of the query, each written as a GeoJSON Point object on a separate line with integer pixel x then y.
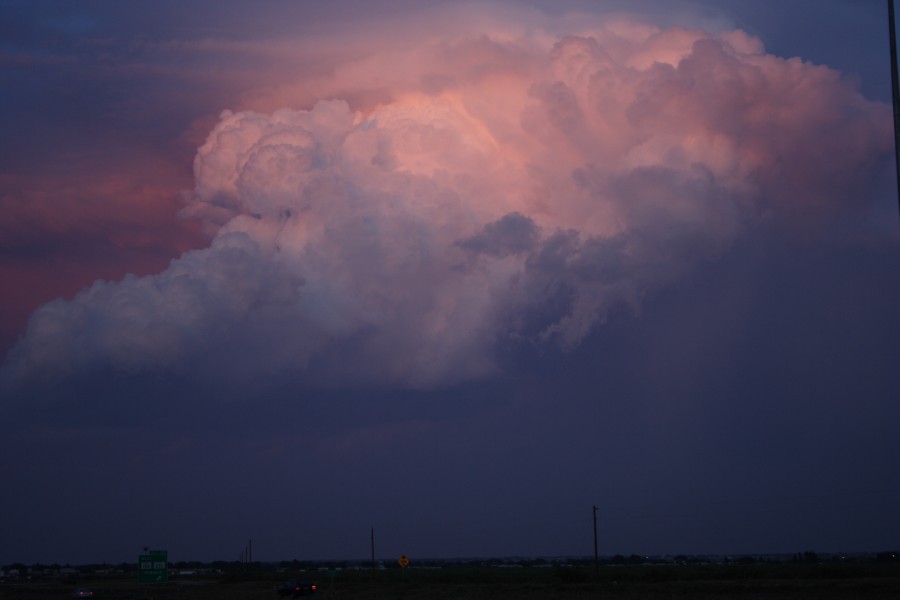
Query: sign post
{"type": "Point", "coordinates": [153, 567]}
{"type": "Point", "coordinates": [403, 561]}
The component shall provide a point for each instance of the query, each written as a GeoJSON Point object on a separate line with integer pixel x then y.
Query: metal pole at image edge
{"type": "Point", "coordinates": [895, 92]}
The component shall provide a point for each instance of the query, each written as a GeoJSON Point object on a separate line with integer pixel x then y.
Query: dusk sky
{"type": "Point", "coordinates": [455, 271]}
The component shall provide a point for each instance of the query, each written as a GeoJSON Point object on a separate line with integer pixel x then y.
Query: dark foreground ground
{"type": "Point", "coordinates": [819, 582]}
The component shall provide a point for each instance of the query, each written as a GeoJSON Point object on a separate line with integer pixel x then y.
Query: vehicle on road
{"type": "Point", "coordinates": [296, 588]}
{"type": "Point", "coordinates": [82, 593]}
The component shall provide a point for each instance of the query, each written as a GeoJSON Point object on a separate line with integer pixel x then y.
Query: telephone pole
{"type": "Point", "coordinates": [596, 556]}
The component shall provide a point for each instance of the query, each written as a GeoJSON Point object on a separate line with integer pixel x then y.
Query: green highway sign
{"type": "Point", "coordinates": [153, 567]}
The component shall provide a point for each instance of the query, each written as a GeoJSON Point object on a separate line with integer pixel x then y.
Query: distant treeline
{"type": "Point", "coordinates": [616, 565]}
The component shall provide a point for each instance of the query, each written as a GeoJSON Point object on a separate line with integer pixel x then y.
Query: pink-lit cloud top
{"type": "Point", "coordinates": [432, 202]}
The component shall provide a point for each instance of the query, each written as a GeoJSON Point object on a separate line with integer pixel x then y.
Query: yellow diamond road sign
{"type": "Point", "coordinates": [403, 561]}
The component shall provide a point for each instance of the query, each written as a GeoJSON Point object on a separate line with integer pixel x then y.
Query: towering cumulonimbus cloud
{"type": "Point", "coordinates": [501, 189]}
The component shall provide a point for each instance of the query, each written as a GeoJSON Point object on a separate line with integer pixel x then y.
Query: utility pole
{"type": "Point", "coordinates": [373, 549]}
{"type": "Point", "coordinates": [895, 92]}
{"type": "Point", "coordinates": [596, 556]}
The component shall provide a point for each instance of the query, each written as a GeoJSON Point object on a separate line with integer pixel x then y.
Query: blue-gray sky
{"type": "Point", "coordinates": [455, 271]}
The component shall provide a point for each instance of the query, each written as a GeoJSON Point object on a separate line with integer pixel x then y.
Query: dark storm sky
{"type": "Point", "coordinates": [455, 271]}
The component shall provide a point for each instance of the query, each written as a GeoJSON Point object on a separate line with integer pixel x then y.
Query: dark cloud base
{"type": "Point", "coordinates": [697, 426]}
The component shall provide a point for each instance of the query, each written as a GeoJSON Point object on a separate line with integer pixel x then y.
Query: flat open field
{"type": "Point", "coordinates": [632, 583]}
